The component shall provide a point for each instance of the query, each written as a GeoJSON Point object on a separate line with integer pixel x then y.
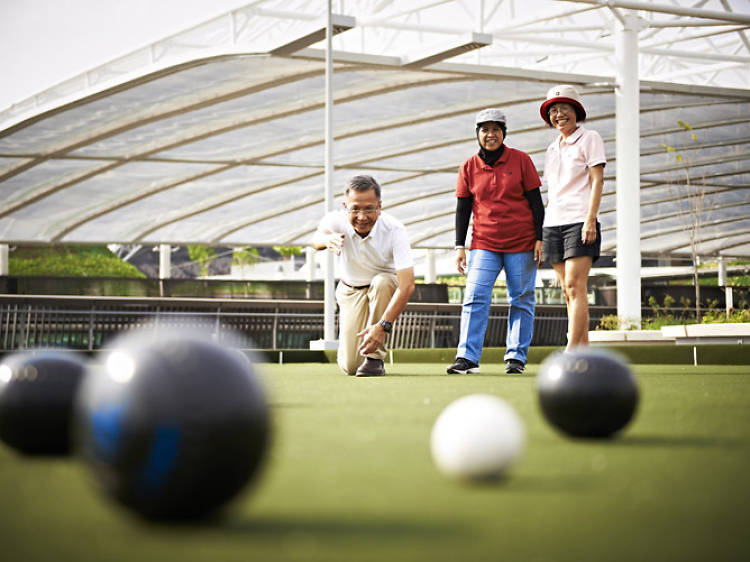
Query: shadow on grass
{"type": "Point", "coordinates": [227, 522]}
{"type": "Point", "coordinates": [557, 483]}
{"type": "Point", "coordinates": [351, 527]}
{"type": "Point", "coordinates": [443, 374]}
{"type": "Point", "coordinates": [676, 441]}
{"type": "Point", "coordinates": [293, 405]}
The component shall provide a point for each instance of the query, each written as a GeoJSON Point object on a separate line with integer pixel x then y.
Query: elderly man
{"type": "Point", "coordinates": [377, 275]}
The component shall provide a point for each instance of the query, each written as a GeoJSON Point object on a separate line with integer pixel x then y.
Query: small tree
{"type": "Point", "coordinates": [691, 205]}
{"type": "Point", "coordinates": [203, 256]}
{"type": "Point", "coordinates": [245, 256]}
{"type": "Point", "coordinates": [288, 251]}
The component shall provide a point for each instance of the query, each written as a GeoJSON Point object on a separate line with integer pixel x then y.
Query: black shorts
{"type": "Point", "coordinates": [564, 241]}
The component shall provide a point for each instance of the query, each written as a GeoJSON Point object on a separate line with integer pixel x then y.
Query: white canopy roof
{"type": "Point", "coordinates": [216, 135]}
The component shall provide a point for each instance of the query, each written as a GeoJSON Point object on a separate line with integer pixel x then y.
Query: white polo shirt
{"type": "Point", "coordinates": [385, 249]}
{"type": "Point", "coordinates": [566, 174]}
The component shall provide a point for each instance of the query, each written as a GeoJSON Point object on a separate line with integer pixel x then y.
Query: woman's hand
{"type": "Point", "coordinates": [588, 232]}
{"type": "Point", "coordinates": [461, 260]}
{"type": "Point", "coordinates": [538, 253]}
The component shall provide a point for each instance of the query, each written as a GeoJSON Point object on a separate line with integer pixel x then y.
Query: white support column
{"type": "Point", "coordinates": [310, 262]}
{"type": "Point", "coordinates": [628, 200]}
{"type": "Point", "coordinates": [430, 274]}
{"type": "Point", "coordinates": [728, 299]}
{"type": "Point", "coordinates": [728, 296]}
{"type": "Point", "coordinates": [329, 297]}
{"type": "Point", "coordinates": [722, 272]}
{"type": "Point", "coordinates": [479, 25]}
{"type": "Point", "coordinates": [165, 261]}
{"type": "Point", "coordinates": [4, 259]}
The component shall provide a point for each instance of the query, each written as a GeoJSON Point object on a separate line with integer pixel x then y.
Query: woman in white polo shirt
{"type": "Point", "coordinates": [574, 175]}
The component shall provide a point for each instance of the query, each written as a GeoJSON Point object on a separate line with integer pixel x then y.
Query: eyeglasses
{"type": "Point", "coordinates": [369, 211]}
{"type": "Point", "coordinates": [560, 109]}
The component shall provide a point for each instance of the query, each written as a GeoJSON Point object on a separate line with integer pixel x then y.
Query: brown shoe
{"type": "Point", "coordinates": [371, 368]}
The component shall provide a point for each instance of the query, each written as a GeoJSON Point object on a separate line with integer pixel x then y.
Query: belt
{"type": "Point", "coordinates": [356, 288]}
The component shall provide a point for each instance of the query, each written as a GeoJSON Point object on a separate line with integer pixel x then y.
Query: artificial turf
{"type": "Point", "coordinates": [350, 478]}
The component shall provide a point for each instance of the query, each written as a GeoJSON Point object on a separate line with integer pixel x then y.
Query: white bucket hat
{"type": "Point", "coordinates": [566, 94]}
{"type": "Point", "coordinates": [490, 114]}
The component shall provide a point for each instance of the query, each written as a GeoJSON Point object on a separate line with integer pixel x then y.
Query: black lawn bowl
{"type": "Point", "coordinates": [172, 424]}
{"type": "Point", "coordinates": [587, 393]}
{"type": "Point", "coordinates": [37, 392]}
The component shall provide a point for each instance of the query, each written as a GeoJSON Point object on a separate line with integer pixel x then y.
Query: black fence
{"type": "Point", "coordinates": [88, 323]}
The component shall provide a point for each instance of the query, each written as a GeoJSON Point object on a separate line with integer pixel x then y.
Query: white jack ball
{"type": "Point", "coordinates": [477, 437]}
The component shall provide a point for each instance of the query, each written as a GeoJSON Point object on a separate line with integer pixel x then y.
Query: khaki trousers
{"type": "Point", "coordinates": [358, 308]}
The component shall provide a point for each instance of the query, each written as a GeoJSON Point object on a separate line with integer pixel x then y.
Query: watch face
{"type": "Point", "coordinates": [386, 326]}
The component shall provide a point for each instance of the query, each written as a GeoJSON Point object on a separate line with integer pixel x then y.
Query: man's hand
{"type": "Point", "coordinates": [335, 242]}
{"type": "Point", "coordinates": [461, 260]}
{"type": "Point", "coordinates": [372, 338]}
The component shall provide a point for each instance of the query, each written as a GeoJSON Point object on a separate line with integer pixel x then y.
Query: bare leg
{"type": "Point", "coordinates": [576, 277]}
{"type": "Point", "coordinates": [560, 271]}
{"type": "Point", "coordinates": [559, 268]}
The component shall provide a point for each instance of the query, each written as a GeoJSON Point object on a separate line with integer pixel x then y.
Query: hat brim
{"type": "Point", "coordinates": [490, 121]}
{"type": "Point", "coordinates": [544, 109]}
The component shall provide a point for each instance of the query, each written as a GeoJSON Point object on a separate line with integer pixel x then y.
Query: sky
{"type": "Point", "coordinates": [44, 42]}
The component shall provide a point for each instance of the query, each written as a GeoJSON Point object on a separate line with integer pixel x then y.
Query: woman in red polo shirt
{"type": "Point", "coordinates": [499, 186]}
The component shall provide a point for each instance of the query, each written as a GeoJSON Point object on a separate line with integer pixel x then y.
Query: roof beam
{"type": "Point", "coordinates": [198, 209]}
{"type": "Point", "coordinates": [695, 55]}
{"type": "Point", "coordinates": [735, 242]}
{"type": "Point", "coordinates": [220, 166]}
{"type": "Point", "coordinates": [696, 70]}
{"type": "Point", "coordinates": [681, 228]}
{"type": "Point", "coordinates": [385, 19]}
{"type": "Point", "coordinates": [668, 9]}
{"type": "Point", "coordinates": [551, 17]}
{"type": "Point", "coordinates": [741, 34]}
{"type": "Point", "coordinates": [454, 47]}
{"type": "Point", "coordinates": [684, 38]}
{"type": "Point", "coordinates": [340, 24]}
{"type": "Point", "coordinates": [132, 122]}
{"type": "Point", "coordinates": [386, 154]}
{"type": "Point", "coordinates": [707, 239]}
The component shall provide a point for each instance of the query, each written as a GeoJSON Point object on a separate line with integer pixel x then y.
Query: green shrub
{"type": "Point", "coordinates": [609, 322]}
{"type": "Point", "coordinates": [202, 256]}
{"type": "Point", "coordinates": [657, 322]}
{"type": "Point", "coordinates": [718, 316]}
{"type": "Point", "coordinates": [68, 261]}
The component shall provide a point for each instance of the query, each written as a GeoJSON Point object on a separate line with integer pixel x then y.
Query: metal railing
{"type": "Point", "coordinates": [88, 323]}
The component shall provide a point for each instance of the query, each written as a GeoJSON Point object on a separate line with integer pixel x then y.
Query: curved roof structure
{"type": "Point", "coordinates": [216, 135]}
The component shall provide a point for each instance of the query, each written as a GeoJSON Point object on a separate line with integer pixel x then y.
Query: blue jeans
{"type": "Point", "coordinates": [520, 275]}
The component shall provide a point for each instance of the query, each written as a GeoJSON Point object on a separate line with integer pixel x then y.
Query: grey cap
{"type": "Point", "coordinates": [490, 114]}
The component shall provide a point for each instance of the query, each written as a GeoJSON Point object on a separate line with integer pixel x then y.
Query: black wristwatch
{"type": "Point", "coordinates": [387, 326]}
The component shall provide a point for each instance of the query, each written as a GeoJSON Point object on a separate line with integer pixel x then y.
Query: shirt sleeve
{"type": "Point", "coordinates": [534, 196]}
{"type": "Point", "coordinates": [547, 172]}
{"type": "Point", "coordinates": [530, 176]}
{"type": "Point", "coordinates": [595, 153]}
{"type": "Point", "coordinates": [402, 258]}
{"type": "Point", "coordinates": [464, 206]}
{"type": "Point", "coordinates": [331, 222]}
{"type": "Point", "coordinates": [462, 183]}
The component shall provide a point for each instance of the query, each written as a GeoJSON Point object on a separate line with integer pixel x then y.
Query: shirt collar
{"type": "Point", "coordinates": [502, 160]}
{"type": "Point", "coordinates": [370, 235]}
{"type": "Point", "coordinates": [572, 139]}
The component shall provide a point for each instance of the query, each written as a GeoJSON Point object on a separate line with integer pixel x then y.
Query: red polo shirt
{"type": "Point", "coordinates": [502, 216]}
